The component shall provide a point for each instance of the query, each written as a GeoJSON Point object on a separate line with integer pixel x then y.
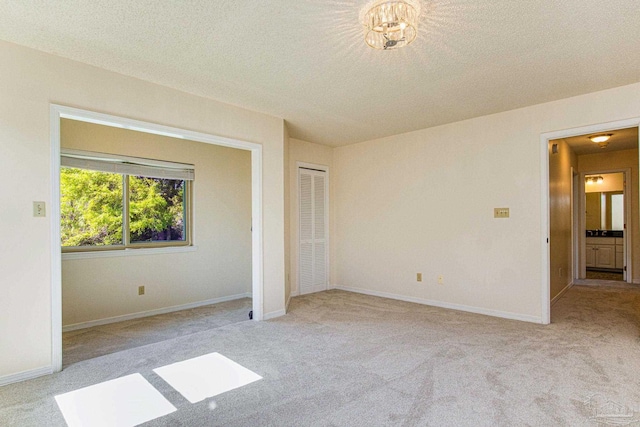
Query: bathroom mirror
{"type": "Point", "coordinates": [605, 210]}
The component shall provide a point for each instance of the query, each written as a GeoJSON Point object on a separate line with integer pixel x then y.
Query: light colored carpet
{"type": "Point", "coordinates": [604, 275]}
{"type": "Point", "coordinates": [343, 359]}
{"type": "Point", "coordinates": [97, 341]}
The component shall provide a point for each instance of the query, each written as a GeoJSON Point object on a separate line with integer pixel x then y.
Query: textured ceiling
{"type": "Point", "coordinates": [305, 61]}
{"type": "Point", "coordinates": [621, 139]}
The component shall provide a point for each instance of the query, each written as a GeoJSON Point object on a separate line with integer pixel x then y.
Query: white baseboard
{"type": "Point", "coordinates": [138, 315]}
{"type": "Point", "coordinates": [26, 375]}
{"type": "Point", "coordinates": [442, 304]}
{"type": "Point", "coordinates": [274, 314]}
{"type": "Point", "coordinates": [562, 292]}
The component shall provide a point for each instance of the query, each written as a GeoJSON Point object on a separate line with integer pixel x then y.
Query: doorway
{"type": "Point", "coordinates": [254, 226]}
{"type": "Point", "coordinates": [571, 159]}
{"type": "Point", "coordinates": [313, 220]}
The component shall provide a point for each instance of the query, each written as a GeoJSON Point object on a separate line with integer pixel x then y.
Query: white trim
{"type": "Point", "coordinates": [576, 239]}
{"type": "Point", "coordinates": [56, 253]}
{"type": "Point", "coordinates": [286, 306]}
{"type": "Point", "coordinates": [573, 233]}
{"type": "Point", "coordinates": [274, 314]}
{"type": "Point", "coordinates": [257, 251]}
{"type": "Point", "coordinates": [127, 252]}
{"type": "Point", "coordinates": [561, 293]}
{"type": "Point", "coordinates": [544, 196]}
{"type": "Point", "coordinates": [582, 254]}
{"type": "Point", "coordinates": [26, 375]}
{"type": "Point", "coordinates": [545, 312]}
{"type": "Point", "coordinates": [155, 312]}
{"type": "Point", "coordinates": [148, 127]}
{"type": "Point", "coordinates": [442, 304]}
{"type": "Point", "coordinates": [60, 111]}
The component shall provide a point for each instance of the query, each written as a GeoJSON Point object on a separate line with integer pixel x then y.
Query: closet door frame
{"type": "Point", "coordinates": [325, 169]}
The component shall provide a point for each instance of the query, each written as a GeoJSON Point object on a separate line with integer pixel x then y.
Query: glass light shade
{"type": "Point", "coordinates": [590, 180]}
{"type": "Point", "coordinates": [390, 24]}
{"type": "Point", "coordinates": [600, 138]}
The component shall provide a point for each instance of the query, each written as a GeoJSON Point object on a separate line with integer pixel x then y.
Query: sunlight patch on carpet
{"type": "Point", "coordinates": [206, 376]}
{"type": "Point", "coordinates": [126, 401]}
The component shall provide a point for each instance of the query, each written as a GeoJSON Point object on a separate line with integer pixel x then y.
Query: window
{"type": "Point", "coordinates": [116, 202]}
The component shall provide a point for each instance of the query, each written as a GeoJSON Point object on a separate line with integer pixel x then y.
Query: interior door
{"type": "Point", "coordinates": [313, 220]}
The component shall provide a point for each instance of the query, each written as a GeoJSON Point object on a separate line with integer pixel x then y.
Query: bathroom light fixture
{"type": "Point", "coordinates": [600, 138]}
{"type": "Point", "coordinates": [590, 180]}
{"type": "Point", "coordinates": [390, 24]}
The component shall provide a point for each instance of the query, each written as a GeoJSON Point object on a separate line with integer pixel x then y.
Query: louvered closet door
{"type": "Point", "coordinates": [312, 258]}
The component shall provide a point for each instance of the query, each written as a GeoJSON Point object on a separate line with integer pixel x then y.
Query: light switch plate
{"type": "Point", "coordinates": [39, 209]}
{"type": "Point", "coordinates": [501, 212]}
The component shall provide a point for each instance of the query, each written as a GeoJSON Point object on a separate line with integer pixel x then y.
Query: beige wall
{"type": "Point", "coordinates": [416, 202]}
{"type": "Point", "coordinates": [560, 218]}
{"type": "Point", "coordinates": [100, 288]}
{"type": "Point", "coordinates": [423, 202]}
{"type": "Point", "coordinates": [30, 82]}
{"type": "Point", "coordinates": [620, 160]}
{"type": "Point", "coordinates": [306, 152]}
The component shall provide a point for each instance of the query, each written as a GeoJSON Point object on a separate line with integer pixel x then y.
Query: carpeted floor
{"type": "Point", "coordinates": [97, 341]}
{"type": "Point", "coordinates": [604, 275]}
{"type": "Point", "coordinates": [343, 359]}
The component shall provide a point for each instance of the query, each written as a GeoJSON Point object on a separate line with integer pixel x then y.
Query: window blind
{"type": "Point", "coordinates": [125, 165]}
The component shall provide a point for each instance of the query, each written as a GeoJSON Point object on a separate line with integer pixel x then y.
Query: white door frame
{"type": "Point", "coordinates": [324, 169]}
{"type": "Point", "coordinates": [582, 221]}
{"type": "Point", "coordinates": [58, 112]}
{"type": "Point", "coordinates": [544, 197]}
{"type": "Point", "coordinates": [576, 205]}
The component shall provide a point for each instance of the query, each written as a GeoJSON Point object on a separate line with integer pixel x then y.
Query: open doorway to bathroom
{"type": "Point", "coordinates": [605, 214]}
{"type": "Point", "coordinates": [594, 220]}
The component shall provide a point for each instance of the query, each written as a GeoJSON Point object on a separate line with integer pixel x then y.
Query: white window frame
{"type": "Point", "coordinates": [126, 166]}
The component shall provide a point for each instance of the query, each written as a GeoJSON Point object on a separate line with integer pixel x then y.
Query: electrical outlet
{"type": "Point", "coordinates": [140, 290]}
{"type": "Point", "coordinates": [419, 277]}
{"type": "Point", "coordinates": [440, 279]}
{"type": "Point", "coordinates": [501, 212]}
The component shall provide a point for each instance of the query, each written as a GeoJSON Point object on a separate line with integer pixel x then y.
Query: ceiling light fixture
{"type": "Point", "coordinates": [590, 180]}
{"type": "Point", "coordinates": [600, 138]}
{"type": "Point", "coordinates": [390, 24]}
